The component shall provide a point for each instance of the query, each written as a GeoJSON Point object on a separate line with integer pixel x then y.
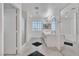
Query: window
{"type": "Point", "coordinates": [37, 25]}
{"type": "Point", "coordinates": [53, 25]}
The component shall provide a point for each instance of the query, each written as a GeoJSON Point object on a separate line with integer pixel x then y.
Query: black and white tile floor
{"type": "Point", "coordinates": [37, 47]}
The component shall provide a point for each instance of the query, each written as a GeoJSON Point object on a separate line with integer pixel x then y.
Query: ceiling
{"type": "Point", "coordinates": [43, 8]}
{"type": "Point", "coordinates": [8, 6]}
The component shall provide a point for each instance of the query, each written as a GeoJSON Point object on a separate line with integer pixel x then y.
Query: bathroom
{"type": "Point", "coordinates": [40, 29]}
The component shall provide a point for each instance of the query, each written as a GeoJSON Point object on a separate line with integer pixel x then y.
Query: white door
{"type": "Point", "coordinates": [10, 31]}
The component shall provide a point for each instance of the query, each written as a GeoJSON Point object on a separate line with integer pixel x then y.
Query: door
{"type": "Point", "coordinates": [10, 31]}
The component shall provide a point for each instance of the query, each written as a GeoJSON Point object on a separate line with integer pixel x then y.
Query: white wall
{"type": "Point", "coordinates": [23, 31]}
{"type": "Point", "coordinates": [78, 25]}
{"type": "Point", "coordinates": [77, 28]}
{"type": "Point", "coordinates": [1, 47]}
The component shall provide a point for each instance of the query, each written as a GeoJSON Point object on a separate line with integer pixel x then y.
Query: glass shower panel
{"type": "Point", "coordinates": [69, 25]}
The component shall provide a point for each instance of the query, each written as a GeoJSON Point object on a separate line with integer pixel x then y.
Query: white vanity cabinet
{"type": "Point", "coordinates": [51, 40]}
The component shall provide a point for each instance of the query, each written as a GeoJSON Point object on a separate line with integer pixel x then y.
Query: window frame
{"type": "Point", "coordinates": [53, 27]}
{"type": "Point", "coordinates": [39, 26]}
